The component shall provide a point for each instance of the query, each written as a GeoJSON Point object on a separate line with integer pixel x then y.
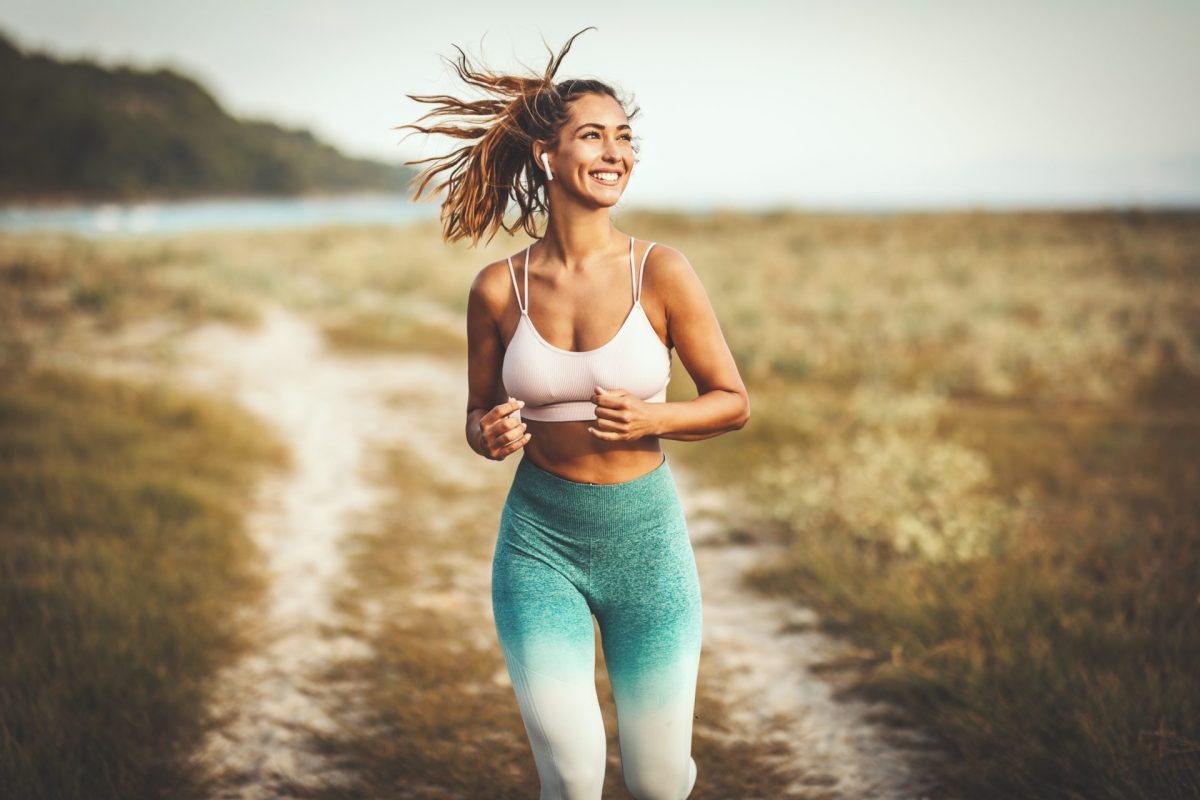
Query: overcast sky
{"type": "Point", "coordinates": [811, 104]}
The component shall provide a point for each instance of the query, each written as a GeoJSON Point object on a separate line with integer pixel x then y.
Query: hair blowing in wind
{"type": "Point", "coordinates": [497, 165]}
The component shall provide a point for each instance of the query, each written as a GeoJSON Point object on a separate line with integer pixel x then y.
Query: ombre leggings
{"type": "Point", "coordinates": [567, 550]}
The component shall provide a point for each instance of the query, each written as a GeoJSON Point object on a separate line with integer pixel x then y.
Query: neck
{"type": "Point", "coordinates": [577, 237]}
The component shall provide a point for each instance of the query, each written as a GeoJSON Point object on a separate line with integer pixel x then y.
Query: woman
{"type": "Point", "coordinates": [592, 523]}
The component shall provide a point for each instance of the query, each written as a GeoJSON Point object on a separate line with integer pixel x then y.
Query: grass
{"type": "Point", "coordinates": [122, 555]}
{"type": "Point", "coordinates": [977, 435]}
{"type": "Point", "coordinates": [387, 332]}
{"type": "Point", "coordinates": [369, 289]}
{"type": "Point", "coordinates": [1062, 665]}
{"type": "Point", "coordinates": [975, 432]}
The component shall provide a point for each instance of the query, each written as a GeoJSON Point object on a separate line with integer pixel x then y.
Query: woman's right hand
{"type": "Point", "coordinates": [502, 431]}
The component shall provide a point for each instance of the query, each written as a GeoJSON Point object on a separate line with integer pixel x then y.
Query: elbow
{"type": "Point", "coordinates": [744, 416]}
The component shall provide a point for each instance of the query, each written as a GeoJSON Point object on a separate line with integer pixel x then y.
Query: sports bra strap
{"type": "Point", "coordinates": [635, 276]}
{"type": "Point", "coordinates": [512, 274]}
{"type": "Point", "coordinates": [637, 298]}
{"type": "Point", "coordinates": [632, 272]}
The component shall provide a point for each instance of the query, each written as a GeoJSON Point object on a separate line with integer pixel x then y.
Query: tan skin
{"type": "Point", "coordinates": [580, 294]}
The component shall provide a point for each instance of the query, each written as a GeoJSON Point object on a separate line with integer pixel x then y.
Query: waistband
{"type": "Point", "coordinates": [576, 505]}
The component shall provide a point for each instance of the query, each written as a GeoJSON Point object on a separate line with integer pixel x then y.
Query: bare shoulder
{"type": "Point", "coordinates": [668, 273]}
{"type": "Point", "coordinates": [493, 287]}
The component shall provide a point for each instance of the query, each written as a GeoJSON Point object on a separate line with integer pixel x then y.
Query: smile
{"type": "Point", "coordinates": [607, 178]}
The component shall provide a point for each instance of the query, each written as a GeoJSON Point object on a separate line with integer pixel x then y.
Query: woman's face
{"type": "Point", "coordinates": [595, 151]}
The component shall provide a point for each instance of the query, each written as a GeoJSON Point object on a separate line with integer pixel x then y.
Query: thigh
{"type": "Point", "coordinates": [548, 639]}
{"type": "Point", "coordinates": [651, 647]}
{"type": "Point", "coordinates": [650, 628]}
{"type": "Point", "coordinates": [648, 604]}
{"type": "Point", "coordinates": [542, 619]}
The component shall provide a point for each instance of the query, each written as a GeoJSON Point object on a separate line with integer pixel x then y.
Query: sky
{"type": "Point", "coordinates": [827, 104]}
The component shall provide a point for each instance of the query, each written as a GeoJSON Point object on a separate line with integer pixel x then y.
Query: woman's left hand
{"type": "Point", "coordinates": [621, 416]}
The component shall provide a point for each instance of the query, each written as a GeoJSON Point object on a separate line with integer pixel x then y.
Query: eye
{"type": "Point", "coordinates": [625, 136]}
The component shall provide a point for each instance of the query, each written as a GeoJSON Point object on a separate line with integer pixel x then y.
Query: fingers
{"type": "Point", "coordinates": [504, 433]}
{"type": "Point", "coordinates": [505, 437]}
{"type": "Point", "coordinates": [502, 410]}
{"type": "Point", "coordinates": [513, 446]}
{"type": "Point", "coordinates": [613, 414]}
{"type": "Point", "coordinates": [611, 436]}
{"type": "Point", "coordinates": [606, 427]}
{"type": "Point", "coordinates": [610, 397]}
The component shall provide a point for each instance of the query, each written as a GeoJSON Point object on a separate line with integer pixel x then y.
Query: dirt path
{"type": "Point", "coordinates": [768, 649]}
{"type": "Point", "coordinates": [334, 410]}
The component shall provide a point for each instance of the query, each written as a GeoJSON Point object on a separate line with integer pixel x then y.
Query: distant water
{"type": "Point", "coordinates": [179, 216]}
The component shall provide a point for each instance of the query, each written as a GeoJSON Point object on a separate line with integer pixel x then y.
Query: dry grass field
{"type": "Point", "coordinates": [975, 434]}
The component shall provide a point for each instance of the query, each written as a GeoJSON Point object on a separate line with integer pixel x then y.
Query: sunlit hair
{"type": "Point", "coordinates": [486, 174]}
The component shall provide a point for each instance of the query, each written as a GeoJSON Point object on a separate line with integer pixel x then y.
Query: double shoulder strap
{"type": "Point", "coordinates": [635, 276]}
{"type": "Point", "coordinates": [637, 295]}
{"type": "Point", "coordinates": [524, 308]}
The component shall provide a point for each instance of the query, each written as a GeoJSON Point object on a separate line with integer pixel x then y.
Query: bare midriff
{"type": "Point", "coordinates": [568, 450]}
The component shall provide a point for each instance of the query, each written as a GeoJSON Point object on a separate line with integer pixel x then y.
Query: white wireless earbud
{"type": "Point", "coordinates": [546, 161]}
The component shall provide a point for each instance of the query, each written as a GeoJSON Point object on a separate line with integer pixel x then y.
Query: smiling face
{"type": "Point", "coordinates": [594, 156]}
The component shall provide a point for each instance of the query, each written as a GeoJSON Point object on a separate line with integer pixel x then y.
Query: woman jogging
{"type": "Point", "coordinates": [569, 356]}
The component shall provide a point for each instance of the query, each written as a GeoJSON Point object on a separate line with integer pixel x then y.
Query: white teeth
{"type": "Point", "coordinates": [609, 177]}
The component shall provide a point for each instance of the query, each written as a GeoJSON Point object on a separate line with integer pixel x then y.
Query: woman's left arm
{"type": "Point", "coordinates": [722, 405]}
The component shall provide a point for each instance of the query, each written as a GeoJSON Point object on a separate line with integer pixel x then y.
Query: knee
{"type": "Point", "coordinates": [662, 781]}
{"type": "Point", "coordinates": [574, 769]}
{"type": "Point", "coordinates": [581, 781]}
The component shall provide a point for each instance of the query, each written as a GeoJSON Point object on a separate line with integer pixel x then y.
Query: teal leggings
{"type": "Point", "coordinates": [567, 550]}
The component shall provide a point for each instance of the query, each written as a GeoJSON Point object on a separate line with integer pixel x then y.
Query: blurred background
{"type": "Point", "coordinates": [954, 247]}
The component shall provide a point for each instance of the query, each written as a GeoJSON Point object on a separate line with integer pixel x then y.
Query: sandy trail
{"type": "Point", "coordinates": [334, 410]}
{"type": "Point", "coordinates": [767, 649]}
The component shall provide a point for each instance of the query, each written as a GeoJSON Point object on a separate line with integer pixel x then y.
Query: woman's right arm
{"type": "Point", "coordinates": [493, 430]}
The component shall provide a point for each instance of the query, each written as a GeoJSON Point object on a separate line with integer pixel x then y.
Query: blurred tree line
{"type": "Point", "coordinates": [79, 130]}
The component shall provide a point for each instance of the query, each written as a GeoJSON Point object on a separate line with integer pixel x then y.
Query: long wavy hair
{"type": "Point", "coordinates": [498, 166]}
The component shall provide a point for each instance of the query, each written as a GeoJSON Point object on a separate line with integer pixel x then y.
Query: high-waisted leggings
{"type": "Point", "coordinates": [620, 551]}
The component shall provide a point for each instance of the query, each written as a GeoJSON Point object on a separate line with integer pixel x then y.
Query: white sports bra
{"type": "Point", "coordinates": [557, 385]}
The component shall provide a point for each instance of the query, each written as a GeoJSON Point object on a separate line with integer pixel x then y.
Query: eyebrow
{"type": "Point", "coordinates": [598, 125]}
